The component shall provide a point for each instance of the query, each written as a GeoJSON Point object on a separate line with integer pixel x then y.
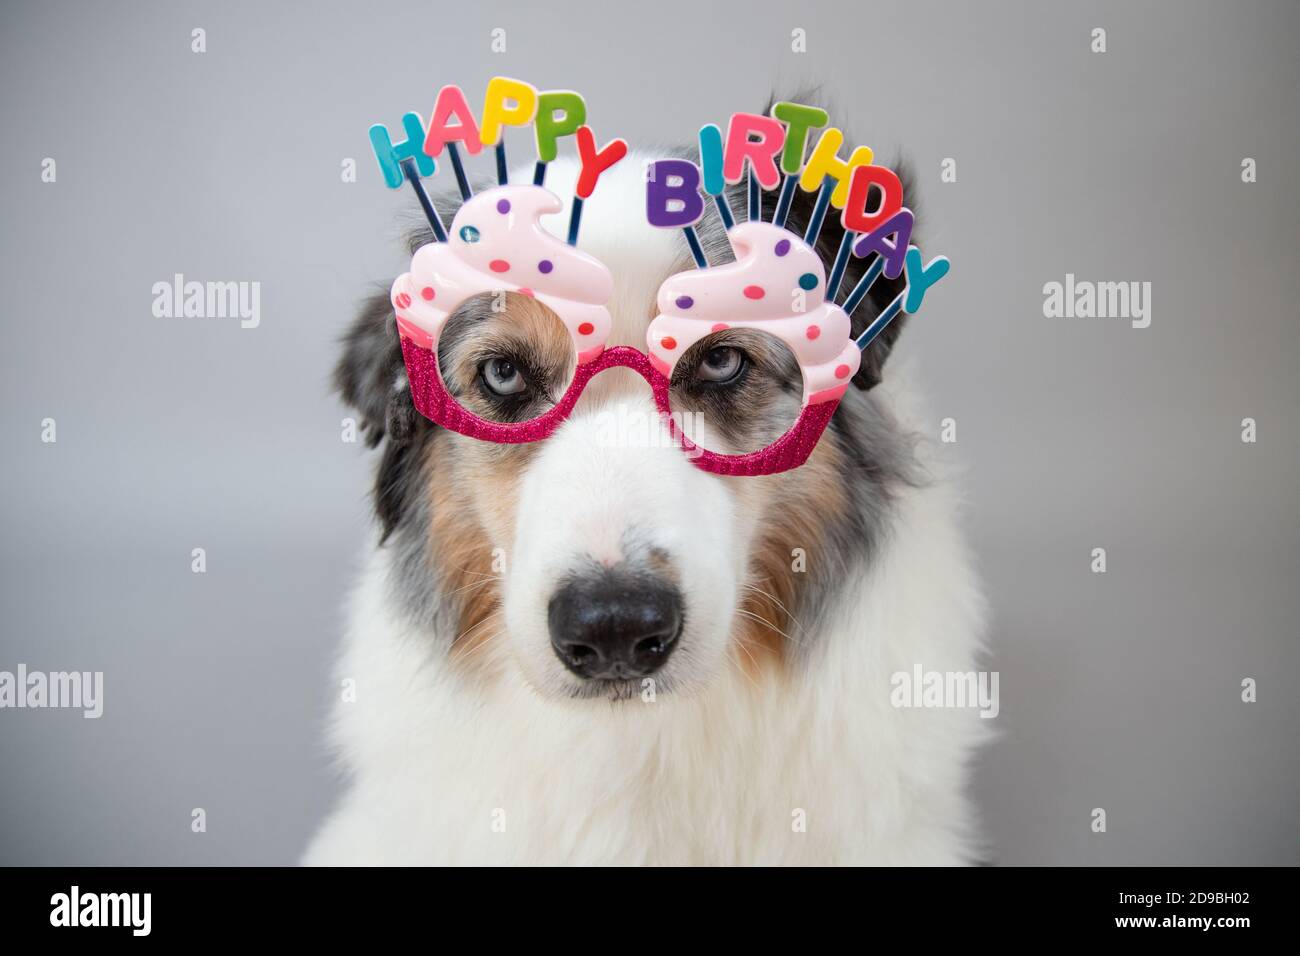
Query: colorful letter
{"type": "Point", "coordinates": [711, 159]}
{"type": "Point", "coordinates": [390, 157]}
{"type": "Point", "coordinates": [573, 113]}
{"type": "Point", "coordinates": [855, 216]}
{"type": "Point", "coordinates": [921, 277]}
{"type": "Point", "coordinates": [595, 162]}
{"type": "Point", "coordinates": [672, 193]}
{"type": "Point", "coordinates": [825, 161]}
{"type": "Point", "coordinates": [760, 152]}
{"type": "Point", "coordinates": [451, 102]}
{"type": "Point", "coordinates": [798, 119]}
{"type": "Point", "coordinates": [506, 103]}
{"type": "Point", "coordinates": [894, 253]}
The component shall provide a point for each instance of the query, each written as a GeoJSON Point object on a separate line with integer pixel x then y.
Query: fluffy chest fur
{"type": "Point", "coordinates": [810, 766]}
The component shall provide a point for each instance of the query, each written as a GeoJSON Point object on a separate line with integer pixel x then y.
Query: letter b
{"type": "Point", "coordinates": [672, 194]}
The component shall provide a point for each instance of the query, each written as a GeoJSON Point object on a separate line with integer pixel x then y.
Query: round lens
{"type": "Point", "coordinates": [736, 391]}
{"type": "Point", "coordinates": [506, 357]}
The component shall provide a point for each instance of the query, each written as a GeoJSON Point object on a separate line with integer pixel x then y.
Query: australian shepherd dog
{"type": "Point", "coordinates": [779, 610]}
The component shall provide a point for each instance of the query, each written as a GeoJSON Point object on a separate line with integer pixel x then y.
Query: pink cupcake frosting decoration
{"type": "Point", "coordinates": [497, 242]}
{"type": "Point", "coordinates": [778, 285]}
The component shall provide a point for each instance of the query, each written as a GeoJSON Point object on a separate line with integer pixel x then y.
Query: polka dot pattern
{"type": "Point", "coordinates": [497, 245]}
{"type": "Point", "coordinates": [782, 247]}
{"type": "Point", "coordinates": [841, 371]}
{"type": "Point", "coordinates": [808, 281]}
{"type": "Point", "coordinates": [668, 342]}
{"type": "Point", "coordinates": [685, 302]}
{"type": "Point", "coordinates": [754, 292]}
{"type": "Point", "coordinates": [812, 332]}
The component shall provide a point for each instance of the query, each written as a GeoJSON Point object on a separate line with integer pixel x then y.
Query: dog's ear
{"type": "Point", "coordinates": [883, 290]}
{"type": "Point", "coordinates": [371, 376]}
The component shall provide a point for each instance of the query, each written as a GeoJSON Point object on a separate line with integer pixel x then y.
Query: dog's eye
{"type": "Point", "coordinates": [722, 365]}
{"type": "Point", "coordinates": [502, 377]}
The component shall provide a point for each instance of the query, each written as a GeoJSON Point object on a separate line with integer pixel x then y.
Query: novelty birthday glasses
{"type": "Point", "coordinates": [503, 325]}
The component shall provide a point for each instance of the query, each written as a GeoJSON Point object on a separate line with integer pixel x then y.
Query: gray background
{"type": "Point", "coordinates": [1118, 690]}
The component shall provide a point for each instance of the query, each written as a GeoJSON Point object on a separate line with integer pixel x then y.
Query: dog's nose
{"type": "Point", "coordinates": [615, 624]}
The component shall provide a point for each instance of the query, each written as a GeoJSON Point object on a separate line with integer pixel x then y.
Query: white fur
{"type": "Point", "coordinates": [727, 767]}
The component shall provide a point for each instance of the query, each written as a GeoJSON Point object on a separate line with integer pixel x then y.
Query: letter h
{"type": "Point", "coordinates": [390, 157]}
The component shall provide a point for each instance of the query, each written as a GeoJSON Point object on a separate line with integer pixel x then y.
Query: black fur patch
{"type": "Point", "coordinates": [371, 377]}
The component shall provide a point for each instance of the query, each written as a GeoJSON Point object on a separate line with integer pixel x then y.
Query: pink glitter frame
{"type": "Point", "coordinates": [434, 402]}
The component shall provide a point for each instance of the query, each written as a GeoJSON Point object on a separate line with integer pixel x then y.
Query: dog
{"type": "Point", "coordinates": [779, 608]}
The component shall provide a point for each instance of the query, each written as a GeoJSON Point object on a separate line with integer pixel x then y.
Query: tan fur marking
{"type": "Point", "coordinates": [800, 506]}
{"type": "Point", "coordinates": [462, 554]}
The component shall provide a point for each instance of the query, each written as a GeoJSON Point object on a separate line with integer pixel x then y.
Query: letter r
{"type": "Point", "coordinates": [761, 153]}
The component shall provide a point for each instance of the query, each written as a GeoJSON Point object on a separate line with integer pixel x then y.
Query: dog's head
{"type": "Point", "coordinates": [600, 562]}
